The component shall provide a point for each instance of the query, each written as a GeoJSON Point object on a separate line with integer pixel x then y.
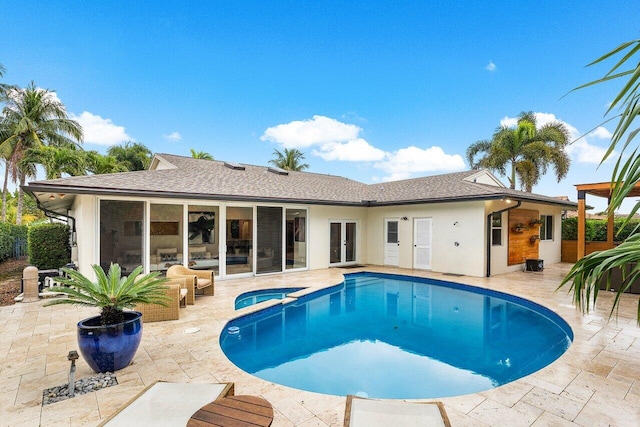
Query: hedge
{"type": "Point", "coordinates": [9, 233]}
{"type": "Point", "coordinates": [596, 229]}
{"type": "Point", "coordinates": [49, 246]}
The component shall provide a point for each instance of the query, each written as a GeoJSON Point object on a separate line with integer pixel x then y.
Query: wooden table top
{"type": "Point", "coordinates": [234, 411]}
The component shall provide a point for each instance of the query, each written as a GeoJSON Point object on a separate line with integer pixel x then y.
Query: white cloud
{"type": "Point", "coordinates": [332, 140]}
{"type": "Point", "coordinates": [491, 66]}
{"type": "Point", "coordinates": [305, 133]}
{"type": "Point", "coordinates": [583, 152]}
{"type": "Point", "coordinates": [601, 132]}
{"type": "Point", "coordinates": [100, 131]}
{"type": "Point", "coordinates": [356, 150]}
{"type": "Point", "coordinates": [173, 136]}
{"type": "Point", "coordinates": [412, 160]}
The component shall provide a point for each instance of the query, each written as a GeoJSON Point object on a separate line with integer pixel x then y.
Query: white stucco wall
{"type": "Point", "coordinates": [319, 220]}
{"type": "Point", "coordinates": [84, 211]}
{"type": "Point", "coordinates": [463, 222]}
{"type": "Point", "coordinates": [466, 258]}
{"type": "Point", "coordinates": [548, 250]}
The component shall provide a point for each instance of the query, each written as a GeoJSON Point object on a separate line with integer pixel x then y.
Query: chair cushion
{"type": "Point", "coordinates": [203, 283]}
{"type": "Point", "coordinates": [183, 293]}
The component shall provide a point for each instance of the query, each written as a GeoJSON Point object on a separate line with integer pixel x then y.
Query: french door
{"type": "Point", "coordinates": [342, 242]}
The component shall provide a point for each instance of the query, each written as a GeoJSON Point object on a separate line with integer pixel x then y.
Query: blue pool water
{"type": "Point", "coordinates": [250, 298]}
{"type": "Point", "coordinates": [391, 336]}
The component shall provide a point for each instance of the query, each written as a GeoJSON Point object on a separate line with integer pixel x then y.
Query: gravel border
{"type": "Point", "coordinates": [82, 386]}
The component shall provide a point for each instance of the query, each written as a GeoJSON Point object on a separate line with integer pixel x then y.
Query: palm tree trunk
{"type": "Point", "coordinates": [512, 181]}
{"type": "Point", "coordinates": [4, 192]}
{"type": "Point", "coordinates": [20, 196]}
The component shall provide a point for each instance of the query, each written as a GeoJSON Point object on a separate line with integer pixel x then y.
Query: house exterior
{"type": "Point", "coordinates": [244, 220]}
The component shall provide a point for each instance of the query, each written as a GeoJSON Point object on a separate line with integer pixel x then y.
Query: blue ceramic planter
{"type": "Point", "coordinates": [109, 348]}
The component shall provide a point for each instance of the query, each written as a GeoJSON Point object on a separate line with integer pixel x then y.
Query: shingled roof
{"type": "Point", "coordinates": [186, 177]}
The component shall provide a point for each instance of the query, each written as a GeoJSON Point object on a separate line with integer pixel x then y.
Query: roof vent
{"type": "Point", "coordinates": [234, 166]}
{"type": "Point", "coordinates": [278, 171]}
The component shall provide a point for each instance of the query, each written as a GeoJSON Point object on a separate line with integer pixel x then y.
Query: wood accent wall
{"type": "Point", "coordinates": [521, 247]}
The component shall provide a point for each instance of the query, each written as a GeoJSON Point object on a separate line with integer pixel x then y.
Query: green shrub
{"type": "Point", "coordinates": [599, 227]}
{"type": "Point", "coordinates": [49, 246]}
{"type": "Point", "coordinates": [570, 229]}
{"type": "Point", "coordinates": [596, 229]}
{"type": "Point", "coordinates": [627, 231]}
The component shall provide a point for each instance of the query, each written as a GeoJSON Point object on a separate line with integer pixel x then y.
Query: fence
{"type": "Point", "coordinates": [19, 247]}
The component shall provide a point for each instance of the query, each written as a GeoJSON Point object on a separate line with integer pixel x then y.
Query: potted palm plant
{"type": "Point", "coordinates": [109, 341]}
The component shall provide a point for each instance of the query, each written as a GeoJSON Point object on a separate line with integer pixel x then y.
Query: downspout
{"type": "Point", "coordinates": [489, 233]}
{"type": "Point", "coordinates": [56, 215]}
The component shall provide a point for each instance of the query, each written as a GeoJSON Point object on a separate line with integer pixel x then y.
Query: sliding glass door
{"type": "Point", "coordinates": [165, 236]}
{"type": "Point", "coordinates": [269, 240]}
{"type": "Point", "coordinates": [296, 239]}
{"type": "Point", "coordinates": [239, 230]}
{"type": "Point", "coordinates": [203, 238]}
{"type": "Point", "coordinates": [122, 232]}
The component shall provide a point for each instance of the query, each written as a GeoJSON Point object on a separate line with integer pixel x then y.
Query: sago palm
{"type": "Point", "coordinates": [111, 292]}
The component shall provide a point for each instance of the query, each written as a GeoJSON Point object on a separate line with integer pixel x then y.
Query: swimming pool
{"type": "Point", "coordinates": [391, 336]}
{"type": "Point", "coordinates": [254, 297]}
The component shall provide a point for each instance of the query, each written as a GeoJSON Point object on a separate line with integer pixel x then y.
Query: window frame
{"type": "Point", "coordinates": [546, 226]}
{"type": "Point", "coordinates": [495, 228]}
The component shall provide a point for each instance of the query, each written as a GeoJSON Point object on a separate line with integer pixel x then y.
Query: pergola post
{"type": "Point", "coordinates": [610, 221]}
{"type": "Point", "coordinates": [582, 218]}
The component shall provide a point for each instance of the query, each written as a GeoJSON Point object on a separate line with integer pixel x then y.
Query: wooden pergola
{"type": "Point", "coordinates": [601, 189]}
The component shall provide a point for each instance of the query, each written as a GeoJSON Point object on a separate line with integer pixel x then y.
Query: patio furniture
{"type": "Point", "coordinates": [177, 290]}
{"type": "Point", "coordinates": [378, 413]}
{"type": "Point", "coordinates": [234, 411]}
{"type": "Point", "coordinates": [202, 280]}
{"type": "Point", "coordinates": [167, 404]}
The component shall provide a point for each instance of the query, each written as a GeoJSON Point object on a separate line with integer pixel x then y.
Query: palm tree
{"type": "Point", "coordinates": [527, 149]}
{"type": "Point", "coordinates": [200, 155]}
{"type": "Point", "coordinates": [132, 155]}
{"type": "Point", "coordinates": [56, 161]}
{"type": "Point", "coordinates": [33, 117]}
{"type": "Point", "coordinates": [97, 163]}
{"type": "Point", "coordinates": [586, 274]}
{"type": "Point", "coordinates": [289, 160]}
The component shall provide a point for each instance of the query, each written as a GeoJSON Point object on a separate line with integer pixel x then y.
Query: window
{"type": "Point", "coordinates": [496, 229]}
{"type": "Point", "coordinates": [546, 227]}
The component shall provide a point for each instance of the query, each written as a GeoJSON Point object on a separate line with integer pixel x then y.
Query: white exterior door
{"type": "Point", "coordinates": [342, 242]}
{"type": "Point", "coordinates": [422, 243]}
{"type": "Point", "coordinates": [391, 242]}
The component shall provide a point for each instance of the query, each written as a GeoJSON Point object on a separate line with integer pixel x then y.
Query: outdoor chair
{"type": "Point", "coordinates": [362, 412]}
{"type": "Point", "coordinates": [200, 280]}
{"type": "Point", "coordinates": [177, 291]}
{"type": "Point", "coordinates": [167, 404]}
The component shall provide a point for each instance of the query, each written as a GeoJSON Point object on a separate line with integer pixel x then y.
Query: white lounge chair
{"type": "Point", "coordinates": [167, 404]}
{"type": "Point", "coordinates": [381, 413]}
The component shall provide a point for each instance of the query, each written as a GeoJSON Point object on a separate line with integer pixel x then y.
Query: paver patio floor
{"type": "Point", "coordinates": [595, 383]}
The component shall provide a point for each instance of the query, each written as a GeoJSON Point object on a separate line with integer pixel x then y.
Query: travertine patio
{"type": "Point", "coordinates": [595, 383]}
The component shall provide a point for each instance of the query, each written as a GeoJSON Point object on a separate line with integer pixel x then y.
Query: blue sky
{"type": "Point", "coordinates": [368, 90]}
